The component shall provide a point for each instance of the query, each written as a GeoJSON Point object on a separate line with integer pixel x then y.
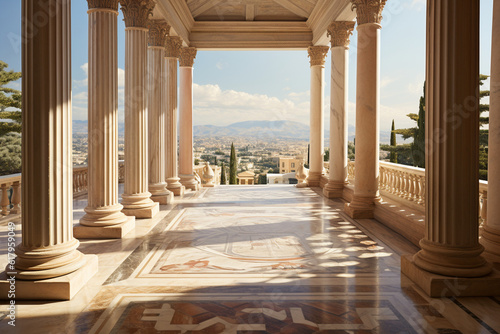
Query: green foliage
{"type": "Point", "coordinates": [483, 107]}
{"type": "Point", "coordinates": [10, 154]}
{"type": "Point", "coordinates": [351, 150]}
{"type": "Point", "coordinates": [196, 161]}
{"type": "Point", "coordinates": [414, 153]}
{"type": "Point", "coordinates": [233, 167]}
{"type": "Point", "coordinates": [262, 179]}
{"type": "Point", "coordinates": [326, 156]}
{"type": "Point", "coordinates": [418, 145]}
{"type": "Point", "coordinates": [9, 98]}
{"type": "Point", "coordinates": [223, 174]}
{"type": "Point", "coordinates": [393, 154]}
{"type": "Point", "coordinates": [483, 163]}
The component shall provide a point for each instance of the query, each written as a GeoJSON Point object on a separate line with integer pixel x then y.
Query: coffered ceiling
{"type": "Point", "coordinates": [252, 24]}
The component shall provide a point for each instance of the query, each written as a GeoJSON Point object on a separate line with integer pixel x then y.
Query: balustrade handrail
{"type": "Point", "coordinates": [407, 184]}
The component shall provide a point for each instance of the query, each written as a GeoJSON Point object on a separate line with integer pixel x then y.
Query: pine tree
{"type": "Point", "coordinates": [233, 166]}
{"type": "Point", "coordinates": [393, 155]}
{"type": "Point", "coordinates": [9, 98]}
{"type": "Point", "coordinates": [223, 174]}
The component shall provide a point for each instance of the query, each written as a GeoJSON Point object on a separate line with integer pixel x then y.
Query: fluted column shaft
{"type": "Point", "coordinates": [367, 109]}
{"type": "Point", "coordinates": [491, 227]}
{"type": "Point", "coordinates": [48, 248]}
{"type": "Point", "coordinates": [158, 29]}
{"type": "Point", "coordinates": [156, 120]}
{"type": "Point", "coordinates": [172, 53]}
{"type": "Point", "coordinates": [136, 197]}
{"type": "Point", "coordinates": [103, 208]}
{"type": "Point", "coordinates": [339, 32]}
{"type": "Point", "coordinates": [186, 119]}
{"type": "Point", "coordinates": [317, 56]}
{"type": "Point", "coordinates": [450, 246]}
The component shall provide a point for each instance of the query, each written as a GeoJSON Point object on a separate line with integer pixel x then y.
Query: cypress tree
{"type": "Point", "coordinates": [418, 146]}
{"type": "Point", "coordinates": [233, 166]}
{"type": "Point", "coordinates": [393, 154]}
{"type": "Point", "coordinates": [223, 174]}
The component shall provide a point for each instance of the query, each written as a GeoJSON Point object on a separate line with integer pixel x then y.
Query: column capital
{"type": "Point", "coordinates": [173, 45]}
{"type": "Point", "coordinates": [339, 32]}
{"type": "Point", "coordinates": [368, 11]}
{"type": "Point", "coordinates": [187, 57]}
{"type": "Point", "coordinates": [317, 54]}
{"type": "Point", "coordinates": [158, 32]}
{"type": "Point", "coordinates": [136, 12]}
{"type": "Point", "coordinates": [103, 4]}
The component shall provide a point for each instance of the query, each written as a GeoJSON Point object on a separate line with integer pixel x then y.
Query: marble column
{"type": "Point", "coordinates": [451, 246]}
{"type": "Point", "coordinates": [48, 248]}
{"type": "Point", "coordinates": [158, 31]}
{"type": "Point", "coordinates": [366, 191]}
{"type": "Point", "coordinates": [339, 33]}
{"type": "Point", "coordinates": [136, 198]}
{"type": "Point", "coordinates": [317, 55]}
{"type": "Point", "coordinates": [172, 53]}
{"type": "Point", "coordinates": [103, 218]}
{"type": "Point", "coordinates": [490, 237]}
{"type": "Point", "coordinates": [186, 173]}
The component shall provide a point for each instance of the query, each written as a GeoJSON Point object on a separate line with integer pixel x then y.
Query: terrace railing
{"type": "Point", "coordinates": [10, 188]}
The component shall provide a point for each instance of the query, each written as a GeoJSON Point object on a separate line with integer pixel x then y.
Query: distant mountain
{"type": "Point", "coordinates": [255, 129]}
{"type": "Point", "coordinates": [269, 129]}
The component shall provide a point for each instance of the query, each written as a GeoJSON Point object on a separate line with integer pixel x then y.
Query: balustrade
{"type": "Point", "coordinates": [10, 188]}
{"type": "Point", "coordinates": [408, 183]}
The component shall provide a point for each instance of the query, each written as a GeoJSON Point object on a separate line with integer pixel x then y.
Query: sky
{"type": "Point", "coordinates": [233, 86]}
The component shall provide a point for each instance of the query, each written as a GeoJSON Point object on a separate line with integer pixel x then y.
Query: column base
{"type": "Point", "coordinates": [189, 181]}
{"type": "Point", "coordinates": [360, 207]}
{"type": "Point", "coordinates": [178, 191]}
{"type": "Point", "coordinates": [302, 185]}
{"type": "Point", "coordinates": [164, 198]}
{"type": "Point", "coordinates": [148, 212]}
{"type": "Point", "coordinates": [208, 185]}
{"type": "Point", "coordinates": [58, 288]}
{"type": "Point", "coordinates": [314, 179]}
{"type": "Point", "coordinates": [104, 232]}
{"type": "Point", "coordinates": [490, 239]}
{"type": "Point", "coordinates": [333, 190]}
{"type": "Point", "coordinates": [435, 285]}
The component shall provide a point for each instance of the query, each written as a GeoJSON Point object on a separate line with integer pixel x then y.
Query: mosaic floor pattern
{"type": "Point", "coordinates": [257, 259]}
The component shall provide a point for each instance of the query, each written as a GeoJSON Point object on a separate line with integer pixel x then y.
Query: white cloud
{"type": "Point", "coordinates": [121, 77]}
{"type": "Point", "coordinates": [212, 105]}
{"type": "Point", "coordinates": [80, 95]}
{"type": "Point", "coordinates": [219, 65]}
{"type": "Point", "coordinates": [386, 81]}
{"type": "Point", "coordinates": [418, 5]}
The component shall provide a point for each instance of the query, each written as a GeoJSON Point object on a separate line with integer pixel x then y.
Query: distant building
{"type": "Point", "coordinates": [288, 178]}
{"type": "Point", "coordinates": [289, 165]}
{"type": "Point", "coordinates": [246, 178]}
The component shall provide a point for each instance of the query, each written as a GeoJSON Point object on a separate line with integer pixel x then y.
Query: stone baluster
{"type": "Point", "coordinates": [16, 197]}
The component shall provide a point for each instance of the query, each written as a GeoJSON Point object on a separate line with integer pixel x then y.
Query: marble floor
{"type": "Point", "coordinates": [252, 259]}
